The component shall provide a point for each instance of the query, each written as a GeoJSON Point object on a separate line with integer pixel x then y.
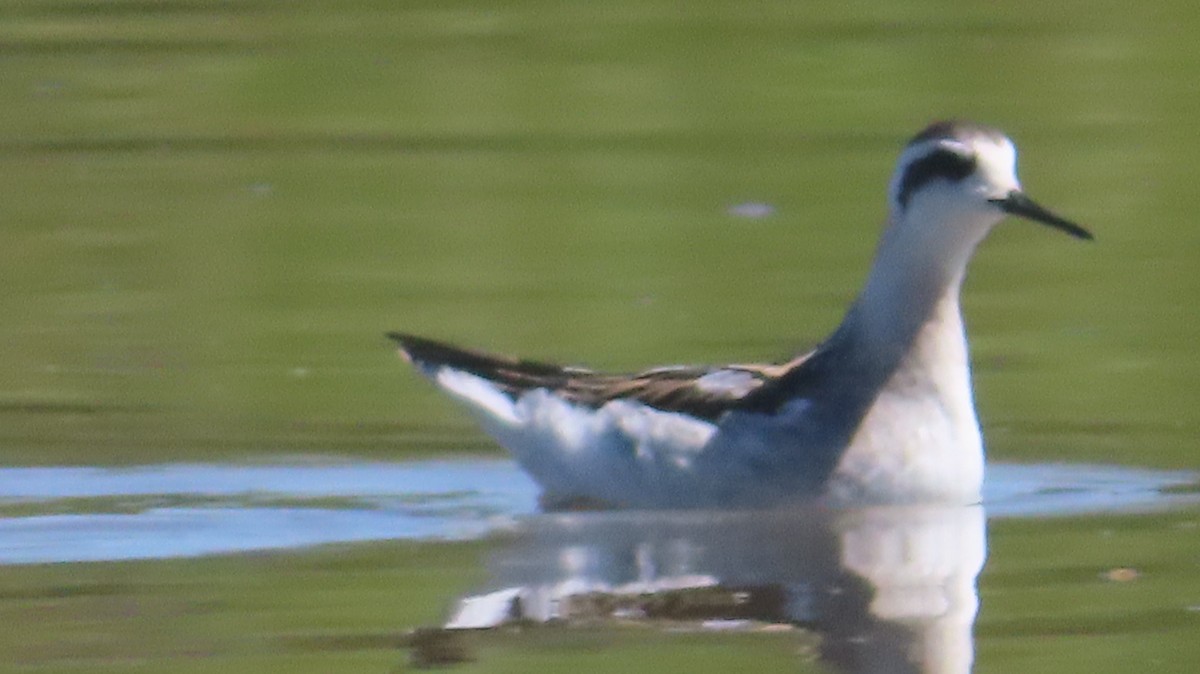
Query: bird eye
{"type": "Point", "coordinates": [941, 164]}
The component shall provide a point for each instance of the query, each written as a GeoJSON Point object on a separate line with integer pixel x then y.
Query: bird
{"type": "Point", "coordinates": [880, 412]}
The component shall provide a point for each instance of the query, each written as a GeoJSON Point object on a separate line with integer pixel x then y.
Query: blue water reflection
{"type": "Point", "coordinates": [56, 514]}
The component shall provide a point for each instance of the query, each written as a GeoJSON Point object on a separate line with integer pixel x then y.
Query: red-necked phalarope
{"type": "Point", "coordinates": [880, 412]}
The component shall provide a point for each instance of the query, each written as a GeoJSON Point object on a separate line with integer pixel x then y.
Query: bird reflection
{"type": "Point", "coordinates": [888, 589]}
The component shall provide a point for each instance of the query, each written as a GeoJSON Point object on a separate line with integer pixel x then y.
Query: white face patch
{"type": "Point", "coordinates": [996, 167]}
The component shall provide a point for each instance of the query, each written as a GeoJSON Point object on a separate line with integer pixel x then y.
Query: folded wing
{"type": "Point", "coordinates": [703, 392]}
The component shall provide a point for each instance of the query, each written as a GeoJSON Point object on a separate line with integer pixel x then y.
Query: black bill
{"type": "Point", "coordinates": [1016, 203]}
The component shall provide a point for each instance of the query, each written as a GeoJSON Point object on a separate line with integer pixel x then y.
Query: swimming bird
{"type": "Point", "coordinates": [880, 412]}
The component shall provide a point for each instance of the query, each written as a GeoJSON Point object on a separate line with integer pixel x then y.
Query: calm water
{"type": "Point", "coordinates": [67, 514]}
{"type": "Point", "coordinates": [211, 212]}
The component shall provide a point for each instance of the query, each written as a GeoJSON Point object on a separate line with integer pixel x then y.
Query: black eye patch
{"type": "Point", "coordinates": [940, 164]}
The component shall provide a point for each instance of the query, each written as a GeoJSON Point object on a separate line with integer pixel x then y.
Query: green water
{"type": "Point", "coordinates": [212, 210]}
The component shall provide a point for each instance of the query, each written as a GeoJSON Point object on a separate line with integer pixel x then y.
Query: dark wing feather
{"type": "Point", "coordinates": [705, 392]}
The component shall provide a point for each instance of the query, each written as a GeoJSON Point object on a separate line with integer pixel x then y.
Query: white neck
{"type": "Point", "coordinates": [903, 365]}
{"type": "Point", "coordinates": [911, 294]}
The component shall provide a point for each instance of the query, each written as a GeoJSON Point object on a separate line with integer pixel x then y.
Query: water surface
{"type": "Point", "coordinates": [63, 514]}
